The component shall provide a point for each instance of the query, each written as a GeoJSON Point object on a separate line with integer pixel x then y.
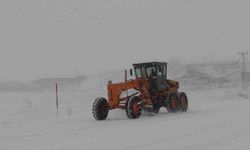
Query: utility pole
{"type": "Point", "coordinates": [243, 73]}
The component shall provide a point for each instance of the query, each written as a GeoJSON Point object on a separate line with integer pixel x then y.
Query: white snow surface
{"type": "Point", "coordinates": [217, 119]}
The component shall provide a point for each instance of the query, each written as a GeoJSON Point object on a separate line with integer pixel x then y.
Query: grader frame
{"type": "Point", "coordinates": [153, 91]}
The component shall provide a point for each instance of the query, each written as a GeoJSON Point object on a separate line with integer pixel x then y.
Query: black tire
{"type": "Point", "coordinates": [171, 103]}
{"type": "Point", "coordinates": [134, 107]}
{"type": "Point", "coordinates": [100, 109]}
{"type": "Point", "coordinates": [182, 102]}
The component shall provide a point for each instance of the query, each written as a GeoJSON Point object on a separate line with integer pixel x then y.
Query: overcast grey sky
{"type": "Point", "coordinates": [55, 37]}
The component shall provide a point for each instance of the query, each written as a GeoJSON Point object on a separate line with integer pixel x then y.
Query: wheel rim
{"type": "Point", "coordinates": [136, 108]}
{"type": "Point", "coordinates": [173, 103]}
{"type": "Point", "coordinates": [103, 108]}
{"type": "Point", "coordinates": [184, 102]}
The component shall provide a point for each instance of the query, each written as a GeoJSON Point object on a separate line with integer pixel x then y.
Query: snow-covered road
{"type": "Point", "coordinates": [215, 120]}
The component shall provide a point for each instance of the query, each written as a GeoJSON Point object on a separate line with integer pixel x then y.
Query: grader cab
{"type": "Point", "coordinates": [152, 90]}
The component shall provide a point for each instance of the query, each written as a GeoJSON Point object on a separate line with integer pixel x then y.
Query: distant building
{"type": "Point", "coordinates": [200, 76]}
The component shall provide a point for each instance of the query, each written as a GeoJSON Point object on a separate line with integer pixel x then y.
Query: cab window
{"type": "Point", "coordinates": [138, 72]}
{"type": "Point", "coordinates": [161, 71]}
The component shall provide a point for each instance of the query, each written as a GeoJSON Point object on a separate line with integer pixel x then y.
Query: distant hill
{"type": "Point", "coordinates": [41, 84]}
{"type": "Point", "coordinates": [48, 83]}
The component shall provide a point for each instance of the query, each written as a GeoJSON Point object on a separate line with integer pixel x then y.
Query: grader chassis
{"type": "Point", "coordinates": [153, 91]}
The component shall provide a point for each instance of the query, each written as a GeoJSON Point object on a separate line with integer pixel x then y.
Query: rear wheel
{"type": "Point", "coordinates": [172, 103]}
{"type": "Point", "coordinates": [134, 108]}
{"type": "Point", "coordinates": [182, 102]}
{"type": "Point", "coordinates": [100, 109]}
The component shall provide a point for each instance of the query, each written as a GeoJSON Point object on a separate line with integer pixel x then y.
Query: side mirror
{"type": "Point", "coordinates": [109, 82]}
{"type": "Point", "coordinates": [131, 72]}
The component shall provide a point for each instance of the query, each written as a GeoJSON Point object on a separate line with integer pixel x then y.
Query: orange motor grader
{"type": "Point", "coordinates": [151, 91]}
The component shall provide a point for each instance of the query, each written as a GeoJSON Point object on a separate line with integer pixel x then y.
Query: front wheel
{"type": "Point", "coordinates": [134, 107]}
{"type": "Point", "coordinates": [100, 109]}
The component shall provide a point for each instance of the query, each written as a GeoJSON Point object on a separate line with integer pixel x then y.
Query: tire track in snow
{"type": "Point", "coordinates": [201, 131]}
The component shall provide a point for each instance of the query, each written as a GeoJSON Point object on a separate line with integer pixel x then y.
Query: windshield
{"type": "Point", "coordinates": [151, 71]}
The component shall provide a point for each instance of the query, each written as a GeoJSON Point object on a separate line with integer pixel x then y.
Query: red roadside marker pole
{"type": "Point", "coordinates": [56, 96]}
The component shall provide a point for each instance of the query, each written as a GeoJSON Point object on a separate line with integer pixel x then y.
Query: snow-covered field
{"type": "Point", "coordinates": [216, 119]}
